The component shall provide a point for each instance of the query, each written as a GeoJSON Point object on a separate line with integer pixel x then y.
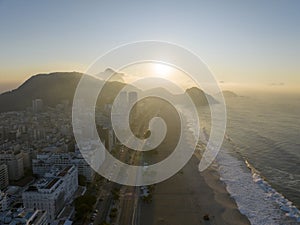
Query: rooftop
{"type": "Point", "coordinates": [64, 171]}
{"type": "Point", "coordinates": [52, 183]}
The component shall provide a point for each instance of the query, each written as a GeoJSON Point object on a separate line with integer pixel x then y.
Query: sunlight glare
{"type": "Point", "coordinates": [162, 70]}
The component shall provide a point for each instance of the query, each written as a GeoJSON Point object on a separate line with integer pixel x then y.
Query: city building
{"type": "Point", "coordinates": [44, 161]}
{"type": "Point", "coordinates": [52, 192]}
{"type": "Point", "coordinates": [14, 162]}
{"type": "Point", "coordinates": [108, 138]}
{"type": "Point", "coordinates": [132, 97]}
{"type": "Point", "coordinates": [3, 176]}
{"type": "Point", "coordinates": [2, 133]}
{"type": "Point", "coordinates": [119, 109]}
{"type": "Point", "coordinates": [24, 217]}
{"type": "Point", "coordinates": [37, 105]}
{"type": "Point", "coordinates": [4, 202]}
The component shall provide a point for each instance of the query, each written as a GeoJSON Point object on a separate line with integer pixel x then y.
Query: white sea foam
{"type": "Point", "coordinates": [255, 197]}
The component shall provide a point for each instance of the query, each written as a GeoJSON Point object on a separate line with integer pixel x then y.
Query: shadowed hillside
{"type": "Point", "coordinates": [54, 87]}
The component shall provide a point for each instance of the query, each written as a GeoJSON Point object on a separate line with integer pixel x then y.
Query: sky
{"type": "Point", "coordinates": [248, 45]}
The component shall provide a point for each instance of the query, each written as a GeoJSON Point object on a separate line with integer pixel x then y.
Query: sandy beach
{"type": "Point", "coordinates": [189, 195]}
{"type": "Point", "coordinates": [186, 197]}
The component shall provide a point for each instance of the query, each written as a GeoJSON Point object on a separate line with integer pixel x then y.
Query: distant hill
{"type": "Point", "coordinates": [200, 97]}
{"type": "Point", "coordinates": [54, 87]}
{"type": "Point", "coordinates": [229, 94]}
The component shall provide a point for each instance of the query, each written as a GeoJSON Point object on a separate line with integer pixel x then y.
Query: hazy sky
{"type": "Point", "coordinates": [247, 44]}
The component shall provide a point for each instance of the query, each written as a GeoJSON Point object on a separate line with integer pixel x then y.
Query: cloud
{"type": "Point", "coordinates": [277, 84]}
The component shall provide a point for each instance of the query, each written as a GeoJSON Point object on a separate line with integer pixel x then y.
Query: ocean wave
{"type": "Point", "coordinates": [254, 196]}
{"type": "Point", "coordinates": [284, 204]}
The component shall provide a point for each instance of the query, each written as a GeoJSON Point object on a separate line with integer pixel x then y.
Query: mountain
{"type": "Point", "coordinates": [229, 94]}
{"type": "Point", "coordinates": [54, 87]}
{"type": "Point", "coordinates": [199, 97]}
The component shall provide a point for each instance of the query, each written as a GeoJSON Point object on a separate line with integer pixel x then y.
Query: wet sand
{"type": "Point", "coordinates": [186, 197]}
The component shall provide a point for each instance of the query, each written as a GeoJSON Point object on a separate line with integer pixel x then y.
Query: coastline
{"type": "Point", "coordinates": [188, 196]}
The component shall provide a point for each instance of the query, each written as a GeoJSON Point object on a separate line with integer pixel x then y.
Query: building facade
{"type": "Point", "coordinates": [53, 191]}
{"type": "Point", "coordinates": [14, 162]}
{"type": "Point", "coordinates": [45, 161]}
{"type": "Point", "coordinates": [37, 105]}
{"type": "Point", "coordinates": [3, 176]}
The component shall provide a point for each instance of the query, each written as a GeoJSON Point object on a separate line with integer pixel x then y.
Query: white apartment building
{"type": "Point", "coordinates": [53, 191]}
{"type": "Point", "coordinates": [45, 161]}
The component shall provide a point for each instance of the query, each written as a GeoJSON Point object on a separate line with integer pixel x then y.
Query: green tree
{"type": "Point", "coordinates": [84, 205]}
{"type": "Point", "coordinates": [81, 180]}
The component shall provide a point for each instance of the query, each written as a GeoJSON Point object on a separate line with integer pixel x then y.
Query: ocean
{"type": "Point", "coordinates": [260, 157]}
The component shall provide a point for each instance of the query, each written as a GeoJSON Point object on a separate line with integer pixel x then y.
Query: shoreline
{"type": "Point", "coordinates": [188, 196]}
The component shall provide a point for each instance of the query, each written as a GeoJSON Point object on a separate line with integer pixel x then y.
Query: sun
{"type": "Point", "coordinates": [162, 70]}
